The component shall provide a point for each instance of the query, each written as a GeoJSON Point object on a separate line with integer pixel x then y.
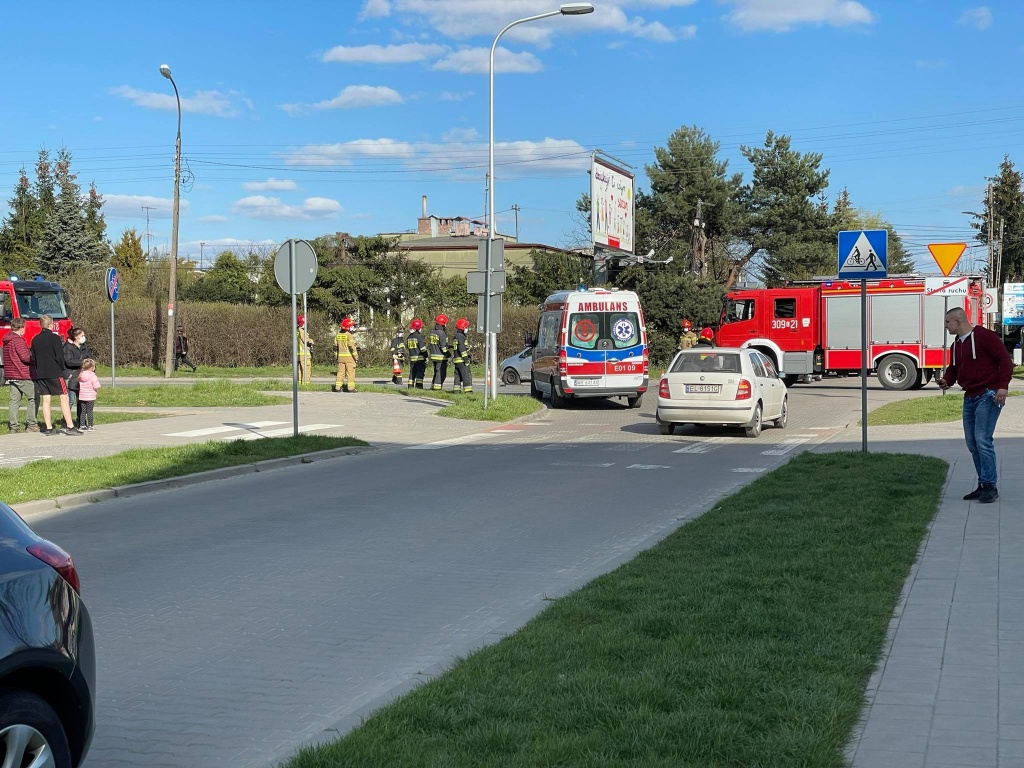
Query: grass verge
{"type": "Point", "coordinates": [744, 638]}
{"type": "Point", "coordinates": [274, 371]}
{"type": "Point", "coordinates": [100, 418]}
{"type": "Point", "coordinates": [921, 410]}
{"type": "Point", "coordinates": [200, 394]}
{"type": "Point", "coordinates": [49, 478]}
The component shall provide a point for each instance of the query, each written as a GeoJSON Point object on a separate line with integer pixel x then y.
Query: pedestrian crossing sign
{"type": "Point", "coordinates": [863, 254]}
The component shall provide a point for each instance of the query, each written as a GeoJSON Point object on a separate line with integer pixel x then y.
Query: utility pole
{"type": "Point", "coordinates": [697, 242]}
{"type": "Point", "coordinates": [515, 208]}
{"type": "Point", "coordinates": [149, 237]}
{"type": "Point", "coordinates": [487, 201]}
{"type": "Point", "coordinates": [201, 264]}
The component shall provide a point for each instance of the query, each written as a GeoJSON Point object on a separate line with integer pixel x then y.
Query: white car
{"type": "Point", "coordinates": [714, 385]}
{"type": "Point", "coordinates": [516, 368]}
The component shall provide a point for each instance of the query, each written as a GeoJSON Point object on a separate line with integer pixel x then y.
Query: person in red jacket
{"type": "Point", "coordinates": [17, 357]}
{"type": "Point", "coordinates": [982, 366]}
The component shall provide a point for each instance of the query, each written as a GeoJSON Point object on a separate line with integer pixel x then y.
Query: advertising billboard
{"type": "Point", "coordinates": [1013, 303]}
{"type": "Point", "coordinates": [611, 206]}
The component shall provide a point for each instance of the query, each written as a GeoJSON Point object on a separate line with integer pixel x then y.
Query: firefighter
{"type": "Point", "coordinates": [437, 345]}
{"type": "Point", "coordinates": [305, 346]}
{"type": "Point", "coordinates": [416, 351]}
{"type": "Point", "coordinates": [348, 356]}
{"type": "Point", "coordinates": [397, 355]}
{"type": "Point", "coordinates": [707, 338]}
{"type": "Point", "coordinates": [460, 357]}
{"type": "Point", "coordinates": [688, 338]}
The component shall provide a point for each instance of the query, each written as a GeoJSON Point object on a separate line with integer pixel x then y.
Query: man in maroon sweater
{"type": "Point", "coordinates": [982, 366]}
{"type": "Point", "coordinates": [17, 357]}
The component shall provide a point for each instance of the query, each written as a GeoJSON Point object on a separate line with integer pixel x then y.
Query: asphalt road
{"type": "Point", "coordinates": [239, 619]}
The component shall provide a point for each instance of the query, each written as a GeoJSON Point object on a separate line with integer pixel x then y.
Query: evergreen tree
{"type": "Point", "coordinates": [1008, 207]}
{"type": "Point", "coordinates": [67, 240]}
{"type": "Point", "coordinates": [20, 233]}
{"type": "Point", "coordinates": [95, 223]}
{"type": "Point", "coordinates": [528, 286]}
{"type": "Point", "coordinates": [128, 253]}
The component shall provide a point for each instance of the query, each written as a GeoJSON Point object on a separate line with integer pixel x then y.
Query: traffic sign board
{"type": "Point", "coordinates": [946, 286]}
{"type": "Point", "coordinates": [946, 255]}
{"type": "Point", "coordinates": [113, 284]}
{"type": "Point", "coordinates": [305, 266]}
{"type": "Point", "coordinates": [863, 254]}
{"type": "Point", "coordinates": [990, 303]}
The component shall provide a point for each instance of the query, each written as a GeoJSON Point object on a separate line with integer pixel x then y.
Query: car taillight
{"type": "Point", "coordinates": [563, 367]}
{"type": "Point", "coordinates": [743, 391]}
{"type": "Point", "coordinates": [647, 364]}
{"type": "Point", "coordinates": [59, 560]}
{"type": "Point", "coordinates": [663, 389]}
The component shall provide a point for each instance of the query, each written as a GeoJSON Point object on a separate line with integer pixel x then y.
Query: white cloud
{"type": "Point", "coordinates": [383, 54]}
{"type": "Point", "coordinates": [344, 153]}
{"type": "Point", "coordinates": [212, 103]}
{"type": "Point", "coordinates": [271, 208]}
{"type": "Point", "coordinates": [979, 18]}
{"type": "Point", "coordinates": [476, 61]}
{"type": "Point", "coordinates": [212, 219]}
{"type": "Point", "coordinates": [270, 185]}
{"type": "Point", "coordinates": [130, 206]}
{"type": "Point", "coordinates": [455, 96]}
{"type": "Point", "coordinates": [460, 134]}
{"type": "Point", "coordinates": [784, 15]}
{"type": "Point", "coordinates": [358, 96]}
{"type": "Point", "coordinates": [373, 9]}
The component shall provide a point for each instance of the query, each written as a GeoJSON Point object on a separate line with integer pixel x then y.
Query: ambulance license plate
{"type": "Point", "coordinates": [701, 389]}
{"type": "Point", "coordinates": [586, 382]}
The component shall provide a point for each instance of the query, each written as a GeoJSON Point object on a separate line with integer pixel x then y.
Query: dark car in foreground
{"type": "Point", "coordinates": [47, 656]}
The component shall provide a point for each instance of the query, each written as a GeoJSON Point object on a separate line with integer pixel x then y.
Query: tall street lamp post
{"type": "Point", "coordinates": [490, 342]}
{"type": "Point", "coordinates": [169, 356]}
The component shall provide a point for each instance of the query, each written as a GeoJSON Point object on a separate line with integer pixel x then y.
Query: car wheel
{"type": "Point", "coordinates": [666, 429]}
{"type": "Point", "coordinates": [897, 372]}
{"type": "Point", "coordinates": [510, 376]}
{"type": "Point", "coordinates": [30, 731]}
{"type": "Point", "coordinates": [557, 398]}
{"type": "Point", "coordinates": [783, 419]}
{"type": "Point", "coordinates": [754, 428]}
{"type": "Point", "coordinates": [535, 393]}
{"type": "Point", "coordinates": [634, 402]}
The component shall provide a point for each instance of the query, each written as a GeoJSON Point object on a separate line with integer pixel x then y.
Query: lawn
{"type": "Point", "coordinates": [202, 393]}
{"type": "Point", "coordinates": [921, 410]}
{"type": "Point", "coordinates": [745, 638]}
{"type": "Point", "coordinates": [49, 478]}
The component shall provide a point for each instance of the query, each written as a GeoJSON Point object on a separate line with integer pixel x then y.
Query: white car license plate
{"type": "Point", "coordinates": [700, 389]}
{"type": "Point", "coordinates": [586, 382]}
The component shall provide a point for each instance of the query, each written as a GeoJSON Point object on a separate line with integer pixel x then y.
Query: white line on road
{"type": "Point", "coordinates": [224, 428]}
{"type": "Point", "coordinates": [696, 448]}
{"type": "Point", "coordinates": [279, 432]}
{"type": "Point", "coordinates": [750, 469]}
{"type": "Point", "coordinates": [581, 464]}
{"type": "Point", "coordinates": [647, 466]}
{"type": "Point", "coordinates": [784, 447]}
{"type": "Point", "coordinates": [448, 443]}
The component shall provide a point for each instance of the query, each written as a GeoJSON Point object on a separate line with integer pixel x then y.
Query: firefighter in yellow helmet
{"type": "Point", "coordinates": [460, 357]}
{"type": "Point", "coordinates": [416, 351]}
{"type": "Point", "coordinates": [437, 344]}
{"type": "Point", "coordinates": [305, 345]}
{"type": "Point", "coordinates": [688, 339]}
{"type": "Point", "coordinates": [348, 356]}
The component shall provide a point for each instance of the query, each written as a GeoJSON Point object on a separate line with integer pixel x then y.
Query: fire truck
{"type": "Point", "coordinates": [31, 299]}
{"type": "Point", "coordinates": [815, 328]}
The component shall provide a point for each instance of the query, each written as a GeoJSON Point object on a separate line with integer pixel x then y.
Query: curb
{"type": "Point", "coordinates": [43, 507]}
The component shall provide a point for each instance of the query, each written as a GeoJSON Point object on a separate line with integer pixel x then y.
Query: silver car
{"type": "Point", "coordinates": [516, 368]}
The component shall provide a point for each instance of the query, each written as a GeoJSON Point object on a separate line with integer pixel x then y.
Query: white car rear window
{"type": "Point", "coordinates": [706, 362]}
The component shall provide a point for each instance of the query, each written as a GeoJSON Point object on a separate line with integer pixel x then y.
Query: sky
{"type": "Point", "coordinates": [308, 118]}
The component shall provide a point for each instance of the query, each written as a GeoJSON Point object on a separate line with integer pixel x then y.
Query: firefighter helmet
{"type": "Point", "coordinates": [416, 324]}
{"type": "Point", "coordinates": [300, 320]}
{"type": "Point", "coordinates": [687, 325]}
{"type": "Point", "coordinates": [462, 324]}
{"type": "Point", "coordinates": [707, 335]}
{"type": "Point", "coordinates": [346, 324]}
{"type": "Point", "coordinates": [441, 319]}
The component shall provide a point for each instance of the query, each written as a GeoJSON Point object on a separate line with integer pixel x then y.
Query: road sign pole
{"type": "Point", "coordinates": [945, 336]}
{"type": "Point", "coordinates": [295, 341]}
{"type": "Point", "coordinates": [112, 360]}
{"type": "Point", "coordinates": [488, 343]}
{"type": "Point", "coordinates": [864, 366]}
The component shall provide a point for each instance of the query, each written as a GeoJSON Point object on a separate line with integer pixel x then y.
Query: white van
{"type": "Point", "coordinates": [590, 343]}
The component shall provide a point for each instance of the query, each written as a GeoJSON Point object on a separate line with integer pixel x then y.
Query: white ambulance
{"type": "Point", "coordinates": [590, 343]}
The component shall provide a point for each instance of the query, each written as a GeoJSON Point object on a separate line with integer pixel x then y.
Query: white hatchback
{"type": "Point", "coordinates": [714, 385]}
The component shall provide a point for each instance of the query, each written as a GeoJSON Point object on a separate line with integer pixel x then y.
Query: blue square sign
{"type": "Point", "coordinates": [864, 254]}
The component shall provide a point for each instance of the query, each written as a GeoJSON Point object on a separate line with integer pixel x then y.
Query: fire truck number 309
{"type": "Point", "coordinates": [784, 324]}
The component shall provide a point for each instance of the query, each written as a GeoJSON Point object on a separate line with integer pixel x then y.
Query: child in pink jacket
{"type": "Point", "coordinates": [88, 383]}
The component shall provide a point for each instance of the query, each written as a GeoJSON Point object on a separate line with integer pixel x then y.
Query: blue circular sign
{"type": "Point", "coordinates": [113, 284]}
{"type": "Point", "coordinates": [623, 330]}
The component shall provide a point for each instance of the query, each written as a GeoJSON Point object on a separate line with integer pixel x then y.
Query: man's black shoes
{"type": "Point", "coordinates": [975, 494]}
{"type": "Point", "coordinates": [988, 494]}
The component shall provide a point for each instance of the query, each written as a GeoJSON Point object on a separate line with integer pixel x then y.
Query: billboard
{"type": "Point", "coordinates": [611, 206]}
{"type": "Point", "coordinates": [1013, 303]}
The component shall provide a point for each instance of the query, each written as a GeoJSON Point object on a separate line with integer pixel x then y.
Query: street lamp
{"type": "Point", "coordinates": [169, 355]}
{"type": "Point", "coordinates": [490, 345]}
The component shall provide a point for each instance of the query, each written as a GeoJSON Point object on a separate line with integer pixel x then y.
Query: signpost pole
{"type": "Point", "coordinates": [864, 366]}
{"type": "Point", "coordinates": [295, 340]}
{"type": "Point", "coordinates": [945, 336]}
{"type": "Point", "coordinates": [112, 360]}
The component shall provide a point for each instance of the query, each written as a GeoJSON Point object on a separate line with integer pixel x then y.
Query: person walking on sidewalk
{"type": "Point", "coordinates": [982, 366]}
{"type": "Point", "coordinates": [88, 384]}
{"type": "Point", "coordinates": [348, 356]}
{"type": "Point", "coordinates": [181, 351]}
{"type": "Point", "coordinates": [48, 353]}
{"type": "Point", "coordinates": [17, 359]}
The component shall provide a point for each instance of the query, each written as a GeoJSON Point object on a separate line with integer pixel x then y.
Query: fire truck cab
{"type": "Point", "coordinates": [815, 328]}
{"type": "Point", "coordinates": [31, 299]}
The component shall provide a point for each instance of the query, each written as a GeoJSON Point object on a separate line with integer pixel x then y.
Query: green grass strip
{"type": "Point", "coordinates": [921, 410]}
{"type": "Point", "coordinates": [201, 394]}
{"type": "Point", "coordinates": [48, 478]}
{"type": "Point", "coordinates": [745, 638]}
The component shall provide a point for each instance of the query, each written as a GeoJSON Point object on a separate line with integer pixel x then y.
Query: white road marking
{"type": "Point", "coordinates": [21, 459]}
{"type": "Point", "coordinates": [581, 464]}
{"type": "Point", "coordinates": [448, 443]}
{"type": "Point", "coordinates": [279, 432]}
{"type": "Point", "coordinates": [224, 428]}
{"type": "Point", "coordinates": [696, 448]}
{"type": "Point", "coordinates": [554, 447]}
{"type": "Point", "coordinates": [750, 469]}
{"type": "Point", "coordinates": [647, 466]}
{"type": "Point", "coordinates": [784, 447]}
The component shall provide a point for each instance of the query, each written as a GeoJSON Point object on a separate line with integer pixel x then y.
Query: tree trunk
{"type": "Point", "coordinates": [734, 270]}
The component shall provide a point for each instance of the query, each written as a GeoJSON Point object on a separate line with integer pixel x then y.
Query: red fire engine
{"type": "Point", "coordinates": [31, 299]}
{"type": "Point", "coordinates": [815, 328]}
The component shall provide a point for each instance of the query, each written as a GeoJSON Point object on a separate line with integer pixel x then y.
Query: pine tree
{"type": "Point", "coordinates": [20, 233]}
{"type": "Point", "coordinates": [95, 223]}
{"type": "Point", "coordinates": [1008, 206]}
{"type": "Point", "coordinates": [67, 240]}
{"type": "Point", "coordinates": [128, 254]}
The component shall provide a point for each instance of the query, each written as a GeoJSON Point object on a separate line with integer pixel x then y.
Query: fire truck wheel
{"type": "Point", "coordinates": [754, 428]}
{"type": "Point", "coordinates": [897, 372]}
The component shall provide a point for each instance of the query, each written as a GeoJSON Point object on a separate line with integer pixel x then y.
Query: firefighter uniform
{"type": "Point", "coordinates": [437, 346]}
{"type": "Point", "coordinates": [416, 351]}
{"type": "Point", "coordinates": [688, 339]}
{"type": "Point", "coordinates": [305, 346]}
{"type": "Point", "coordinates": [397, 357]}
{"type": "Point", "coordinates": [348, 356]}
{"type": "Point", "coordinates": [460, 359]}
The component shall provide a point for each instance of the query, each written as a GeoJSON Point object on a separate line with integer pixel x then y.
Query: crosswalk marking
{"type": "Point", "coordinates": [784, 447]}
{"type": "Point", "coordinates": [647, 466]}
{"type": "Point", "coordinates": [224, 428]}
{"type": "Point", "coordinates": [696, 448]}
{"type": "Point", "coordinates": [258, 435]}
{"type": "Point", "coordinates": [448, 443]}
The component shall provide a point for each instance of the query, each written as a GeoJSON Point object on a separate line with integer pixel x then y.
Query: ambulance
{"type": "Point", "coordinates": [590, 343]}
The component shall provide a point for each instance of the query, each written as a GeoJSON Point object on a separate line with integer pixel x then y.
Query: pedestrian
{"type": "Point", "coordinates": [18, 372]}
{"type": "Point", "coordinates": [88, 384]}
{"type": "Point", "coordinates": [305, 347]}
{"type": "Point", "coordinates": [48, 353]}
{"type": "Point", "coordinates": [181, 351]}
{"type": "Point", "coordinates": [348, 356]}
{"type": "Point", "coordinates": [437, 344]}
{"type": "Point", "coordinates": [416, 351]}
{"type": "Point", "coordinates": [706, 338]}
{"type": "Point", "coordinates": [688, 339]}
{"type": "Point", "coordinates": [981, 365]}
{"type": "Point", "coordinates": [460, 358]}
{"type": "Point", "coordinates": [397, 355]}
{"type": "Point", "coordinates": [73, 357]}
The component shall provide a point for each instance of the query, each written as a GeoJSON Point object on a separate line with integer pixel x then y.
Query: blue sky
{"type": "Point", "coordinates": [307, 118]}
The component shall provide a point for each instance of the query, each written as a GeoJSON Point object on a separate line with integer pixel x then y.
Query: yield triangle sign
{"type": "Point", "coordinates": [946, 255]}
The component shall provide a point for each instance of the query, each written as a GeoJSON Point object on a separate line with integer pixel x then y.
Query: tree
{"type": "Point", "coordinates": [67, 240]}
{"type": "Point", "coordinates": [128, 253]}
{"type": "Point", "coordinates": [528, 286]}
{"type": "Point", "coordinates": [95, 224]}
{"type": "Point", "coordinates": [1008, 207]}
{"type": "Point", "coordinates": [20, 232]}
{"type": "Point", "coordinates": [231, 279]}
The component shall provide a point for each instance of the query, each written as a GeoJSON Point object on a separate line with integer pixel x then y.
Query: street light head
{"type": "Point", "coordinates": [165, 71]}
{"type": "Point", "coordinates": [576, 9]}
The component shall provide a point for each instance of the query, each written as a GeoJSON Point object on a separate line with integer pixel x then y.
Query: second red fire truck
{"type": "Point", "coordinates": [815, 328]}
